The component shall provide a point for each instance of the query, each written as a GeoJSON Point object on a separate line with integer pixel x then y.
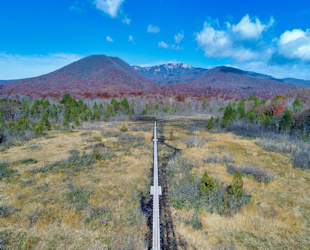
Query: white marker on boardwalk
{"type": "Point", "coordinates": [155, 191]}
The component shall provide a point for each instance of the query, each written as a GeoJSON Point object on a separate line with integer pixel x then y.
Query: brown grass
{"type": "Point", "coordinates": [43, 218]}
{"type": "Point", "coordinates": [279, 214]}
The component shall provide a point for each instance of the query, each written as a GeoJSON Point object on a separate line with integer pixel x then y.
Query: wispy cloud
{"type": "Point", "coordinates": [130, 39]}
{"type": "Point", "coordinates": [163, 45]}
{"type": "Point", "coordinates": [14, 66]}
{"type": "Point", "coordinates": [110, 7]}
{"type": "Point", "coordinates": [126, 20]}
{"type": "Point", "coordinates": [152, 29]}
{"type": "Point", "coordinates": [178, 37]}
{"type": "Point", "coordinates": [109, 39]}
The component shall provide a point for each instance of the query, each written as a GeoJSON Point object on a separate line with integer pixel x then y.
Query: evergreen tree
{"type": "Point", "coordinates": [39, 129]}
{"type": "Point", "coordinates": [229, 115]}
{"type": "Point", "coordinates": [210, 124]}
{"type": "Point", "coordinates": [285, 122]}
{"type": "Point", "coordinates": [297, 105]}
{"type": "Point", "coordinates": [109, 111]}
{"type": "Point", "coordinates": [95, 106]}
{"type": "Point", "coordinates": [66, 98]}
{"type": "Point", "coordinates": [206, 184]}
{"type": "Point", "coordinates": [236, 187]}
{"type": "Point", "coordinates": [67, 114]}
{"type": "Point", "coordinates": [46, 122]}
{"type": "Point", "coordinates": [115, 104]}
{"type": "Point", "coordinates": [65, 122]}
{"type": "Point", "coordinates": [266, 120]}
{"type": "Point", "coordinates": [96, 114]}
{"type": "Point", "coordinates": [166, 108]}
{"type": "Point", "coordinates": [45, 104]}
{"type": "Point", "coordinates": [241, 109]}
{"type": "Point", "coordinates": [125, 104]}
{"type": "Point", "coordinates": [77, 122]}
{"type": "Point", "coordinates": [251, 98]}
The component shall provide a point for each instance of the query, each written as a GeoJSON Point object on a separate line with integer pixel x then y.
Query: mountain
{"type": "Point", "coordinates": [170, 73]}
{"type": "Point", "coordinates": [101, 76]}
{"type": "Point", "coordinates": [181, 79]}
{"type": "Point", "coordinates": [8, 81]}
{"type": "Point", "coordinates": [92, 76]}
{"type": "Point", "coordinates": [298, 82]}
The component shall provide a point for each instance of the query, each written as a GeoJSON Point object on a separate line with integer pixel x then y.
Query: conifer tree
{"type": "Point", "coordinates": [297, 105]}
{"type": "Point", "coordinates": [77, 122]}
{"type": "Point", "coordinates": [285, 123]}
{"type": "Point", "coordinates": [210, 124]}
{"type": "Point", "coordinates": [236, 187]}
{"type": "Point", "coordinates": [39, 129]}
{"type": "Point", "coordinates": [125, 104]}
{"type": "Point", "coordinates": [206, 184]}
{"type": "Point", "coordinates": [46, 122]}
{"type": "Point", "coordinates": [241, 109]}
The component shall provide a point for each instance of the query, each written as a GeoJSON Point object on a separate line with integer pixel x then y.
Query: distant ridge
{"type": "Point", "coordinates": [101, 76]}
{"type": "Point", "coordinates": [92, 76]}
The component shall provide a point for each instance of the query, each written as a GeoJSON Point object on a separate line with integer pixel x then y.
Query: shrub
{"type": "Point", "coordinates": [258, 174]}
{"type": "Point", "coordinates": [184, 191]}
{"type": "Point", "coordinates": [236, 187]}
{"type": "Point", "coordinates": [130, 137]}
{"type": "Point", "coordinates": [206, 184]}
{"type": "Point", "coordinates": [77, 197]}
{"type": "Point", "coordinates": [5, 171]}
{"type": "Point", "coordinates": [6, 211]}
{"type": "Point", "coordinates": [227, 159]}
{"type": "Point", "coordinates": [210, 124]}
{"type": "Point", "coordinates": [194, 221]}
{"type": "Point", "coordinates": [301, 159]}
{"type": "Point", "coordinates": [211, 159]}
{"type": "Point", "coordinates": [124, 128]}
{"type": "Point", "coordinates": [196, 142]}
{"type": "Point", "coordinates": [26, 161]}
{"type": "Point", "coordinates": [286, 121]}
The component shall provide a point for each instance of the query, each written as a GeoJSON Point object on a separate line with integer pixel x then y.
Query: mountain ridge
{"type": "Point", "coordinates": [104, 76]}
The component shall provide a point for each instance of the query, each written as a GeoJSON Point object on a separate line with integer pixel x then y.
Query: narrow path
{"type": "Point", "coordinates": [155, 191]}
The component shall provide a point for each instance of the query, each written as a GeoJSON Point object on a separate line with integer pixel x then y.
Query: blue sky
{"type": "Point", "coordinates": [271, 37]}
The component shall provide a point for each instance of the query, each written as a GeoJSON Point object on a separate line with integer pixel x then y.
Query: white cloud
{"type": "Point", "coordinates": [219, 44]}
{"type": "Point", "coordinates": [291, 70]}
{"type": "Point", "coordinates": [248, 29]}
{"type": "Point", "coordinates": [110, 7]}
{"type": "Point", "coordinates": [126, 20]}
{"type": "Point", "coordinates": [130, 39]}
{"type": "Point", "coordinates": [295, 44]}
{"type": "Point", "coordinates": [179, 37]}
{"type": "Point", "coordinates": [109, 39]}
{"type": "Point", "coordinates": [163, 45]}
{"type": "Point", "coordinates": [176, 47]}
{"type": "Point", "coordinates": [152, 29]}
{"type": "Point", "coordinates": [13, 66]}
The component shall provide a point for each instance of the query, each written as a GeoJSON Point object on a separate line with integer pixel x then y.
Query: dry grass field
{"type": "Point", "coordinates": [278, 216]}
{"type": "Point", "coordinates": [88, 189]}
{"type": "Point", "coordinates": [92, 201]}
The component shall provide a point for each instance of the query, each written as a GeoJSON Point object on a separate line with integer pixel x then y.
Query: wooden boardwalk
{"type": "Point", "coordinates": [155, 191]}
